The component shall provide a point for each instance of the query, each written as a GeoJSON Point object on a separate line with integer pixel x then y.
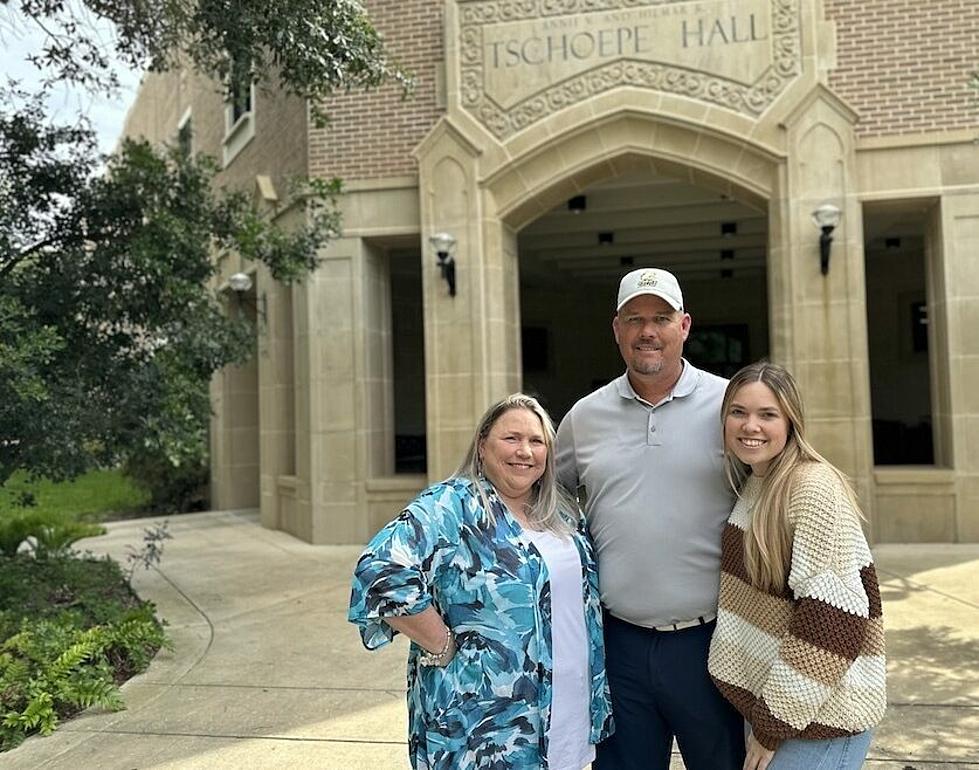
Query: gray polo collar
{"type": "Point", "coordinates": [689, 377]}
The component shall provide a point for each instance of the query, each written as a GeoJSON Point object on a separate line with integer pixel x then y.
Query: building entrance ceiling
{"type": "Point", "coordinates": [640, 220]}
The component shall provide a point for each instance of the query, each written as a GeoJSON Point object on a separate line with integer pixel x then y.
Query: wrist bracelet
{"type": "Point", "coordinates": [435, 658]}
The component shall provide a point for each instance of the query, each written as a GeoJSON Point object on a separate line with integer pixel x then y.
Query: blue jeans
{"type": "Point", "coordinates": [846, 753]}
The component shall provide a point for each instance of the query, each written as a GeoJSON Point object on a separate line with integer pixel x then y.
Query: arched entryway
{"type": "Point", "coordinates": [572, 257]}
{"type": "Point", "coordinates": [488, 196]}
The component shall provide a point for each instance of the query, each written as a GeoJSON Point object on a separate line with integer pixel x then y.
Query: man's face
{"type": "Point", "coordinates": [650, 334]}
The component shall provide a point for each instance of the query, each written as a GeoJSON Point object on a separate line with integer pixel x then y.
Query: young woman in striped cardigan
{"type": "Point", "coordinates": [799, 643]}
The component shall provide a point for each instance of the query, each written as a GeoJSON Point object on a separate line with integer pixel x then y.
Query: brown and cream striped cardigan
{"type": "Point", "coordinates": [808, 661]}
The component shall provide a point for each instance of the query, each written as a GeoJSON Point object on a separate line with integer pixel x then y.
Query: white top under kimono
{"type": "Point", "coordinates": [568, 746]}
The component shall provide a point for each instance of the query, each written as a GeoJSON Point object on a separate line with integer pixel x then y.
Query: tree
{"type": "Point", "coordinates": [110, 328]}
{"type": "Point", "coordinates": [311, 47]}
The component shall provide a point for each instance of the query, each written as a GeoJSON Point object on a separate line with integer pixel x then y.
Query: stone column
{"type": "Point", "coordinates": [234, 426]}
{"type": "Point", "coordinates": [330, 465]}
{"type": "Point", "coordinates": [472, 341]}
{"type": "Point", "coordinates": [277, 389]}
{"type": "Point", "coordinates": [820, 321]}
{"type": "Point", "coordinates": [960, 245]}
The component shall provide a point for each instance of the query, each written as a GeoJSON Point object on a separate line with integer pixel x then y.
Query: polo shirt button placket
{"type": "Point", "coordinates": [651, 438]}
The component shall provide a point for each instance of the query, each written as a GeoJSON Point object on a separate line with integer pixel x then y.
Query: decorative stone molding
{"type": "Point", "coordinates": [522, 60]}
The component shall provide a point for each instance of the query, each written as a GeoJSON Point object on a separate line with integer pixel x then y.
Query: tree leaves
{"type": "Point", "coordinates": [110, 327]}
{"type": "Point", "coordinates": [312, 48]}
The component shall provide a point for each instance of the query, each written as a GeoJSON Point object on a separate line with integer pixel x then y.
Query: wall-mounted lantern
{"type": "Point", "coordinates": [241, 284]}
{"type": "Point", "coordinates": [826, 217]}
{"type": "Point", "coordinates": [444, 243]}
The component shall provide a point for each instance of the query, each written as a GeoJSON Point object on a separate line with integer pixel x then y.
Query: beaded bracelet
{"type": "Point", "coordinates": [435, 658]}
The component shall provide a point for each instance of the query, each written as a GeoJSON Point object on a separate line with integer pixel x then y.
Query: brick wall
{"type": "Point", "coordinates": [372, 134]}
{"type": "Point", "coordinates": [277, 150]}
{"type": "Point", "coordinates": [905, 65]}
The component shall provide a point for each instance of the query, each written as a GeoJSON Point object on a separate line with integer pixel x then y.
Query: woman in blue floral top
{"type": "Point", "coordinates": [491, 576]}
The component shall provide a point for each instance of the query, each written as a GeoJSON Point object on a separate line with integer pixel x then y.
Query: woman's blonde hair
{"type": "Point", "coordinates": [547, 498]}
{"type": "Point", "coordinates": [768, 537]}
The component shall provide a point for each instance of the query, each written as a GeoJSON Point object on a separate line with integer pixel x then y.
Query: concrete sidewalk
{"type": "Point", "coordinates": [267, 673]}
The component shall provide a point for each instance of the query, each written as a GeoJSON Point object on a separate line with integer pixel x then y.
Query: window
{"type": "Point", "coordinates": [239, 111]}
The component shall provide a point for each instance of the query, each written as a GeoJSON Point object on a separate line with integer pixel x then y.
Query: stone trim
{"type": "Point", "coordinates": [750, 100]}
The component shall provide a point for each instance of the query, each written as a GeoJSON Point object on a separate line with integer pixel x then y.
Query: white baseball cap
{"type": "Point", "coordinates": [650, 280]}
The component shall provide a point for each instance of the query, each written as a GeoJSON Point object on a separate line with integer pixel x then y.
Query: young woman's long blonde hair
{"type": "Point", "coordinates": [768, 537]}
{"type": "Point", "coordinates": [547, 498]}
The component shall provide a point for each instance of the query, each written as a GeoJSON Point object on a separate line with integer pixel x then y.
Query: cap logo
{"type": "Point", "coordinates": [647, 279]}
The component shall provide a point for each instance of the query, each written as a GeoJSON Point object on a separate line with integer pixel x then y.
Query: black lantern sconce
{"type": "Point", "coordinates": [443, 243]}
{"type": "Point", "coordinates": [826, 218]}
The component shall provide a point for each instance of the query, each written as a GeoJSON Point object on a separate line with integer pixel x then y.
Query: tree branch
{"type": "Point", "coordinates": [9, 266]}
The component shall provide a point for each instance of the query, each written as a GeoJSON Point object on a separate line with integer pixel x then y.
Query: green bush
{"type": "Point", "coordinates": [72, 630]}
{"type": "Point", "coordinates": [50, 533]}
{"type": "Point", "coordinates": [171, 488]}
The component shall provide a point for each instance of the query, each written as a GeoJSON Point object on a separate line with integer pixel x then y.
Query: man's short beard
{"type": "Point", "coordinates": [650, 368]}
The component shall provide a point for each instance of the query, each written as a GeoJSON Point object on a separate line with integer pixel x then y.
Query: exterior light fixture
{"type": "Point", "coordinates": [443, 243]}
{"type": "Point", "coordinates": [577, 204]}
{"type": "Point", "coordinates": [826, 217]}
{"type": "Point", "coordinates": [240, 283]}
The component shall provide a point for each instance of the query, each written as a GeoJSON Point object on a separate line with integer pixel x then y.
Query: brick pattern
{"type": "Point", "coordinates": [371, 135]}
{"type": "Point", "coordinates": [905, 65]}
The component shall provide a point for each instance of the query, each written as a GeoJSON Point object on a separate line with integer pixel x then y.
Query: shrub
{"type": "Point", "coordinates": [48, 533]}
{"type": "Point", "coordinates": [52, 668]}
{"type": "Point", "coordinates": [172, 488]}
{"type": "Point", "coordinates": [72, 630]}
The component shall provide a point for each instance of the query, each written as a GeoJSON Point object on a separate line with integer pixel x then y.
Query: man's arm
{"type": "Point", "coordinates": [565, 459]}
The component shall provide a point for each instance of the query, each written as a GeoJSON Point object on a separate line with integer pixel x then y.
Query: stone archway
{"type": "Point", "coordinates": [487, 194]}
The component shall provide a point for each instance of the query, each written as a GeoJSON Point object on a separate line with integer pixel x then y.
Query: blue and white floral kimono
{"type": "Point", "coordinates": [489, 708]}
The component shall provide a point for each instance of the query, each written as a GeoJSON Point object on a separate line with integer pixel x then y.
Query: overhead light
{"type": "Point", "coordinates": [577, 204]}
{"type": "Point", "coordinates": [729, 229]}
{"type": "Point", "coordinates": [727, 254]}
{"type": "Point", "coordinates": [604, 239]}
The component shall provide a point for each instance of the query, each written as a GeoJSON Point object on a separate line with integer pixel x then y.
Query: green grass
{"type": "Point", "coordinates": [97, 495]}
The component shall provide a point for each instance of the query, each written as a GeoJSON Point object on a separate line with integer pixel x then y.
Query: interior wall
{"type": "Point", "coordinates": [581, 354]}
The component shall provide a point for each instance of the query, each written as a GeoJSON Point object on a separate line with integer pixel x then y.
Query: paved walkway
{"type": "Point", "coordinates": [267, 673]}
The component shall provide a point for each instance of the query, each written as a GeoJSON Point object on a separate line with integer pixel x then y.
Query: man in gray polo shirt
{"type": "Point", "coordinates": [647, 450]}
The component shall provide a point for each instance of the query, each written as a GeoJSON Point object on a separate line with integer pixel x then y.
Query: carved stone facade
{"type": "Point", "coordinates": [521, 61]}
{"type": "Point", "coordinates": [703, 134]}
